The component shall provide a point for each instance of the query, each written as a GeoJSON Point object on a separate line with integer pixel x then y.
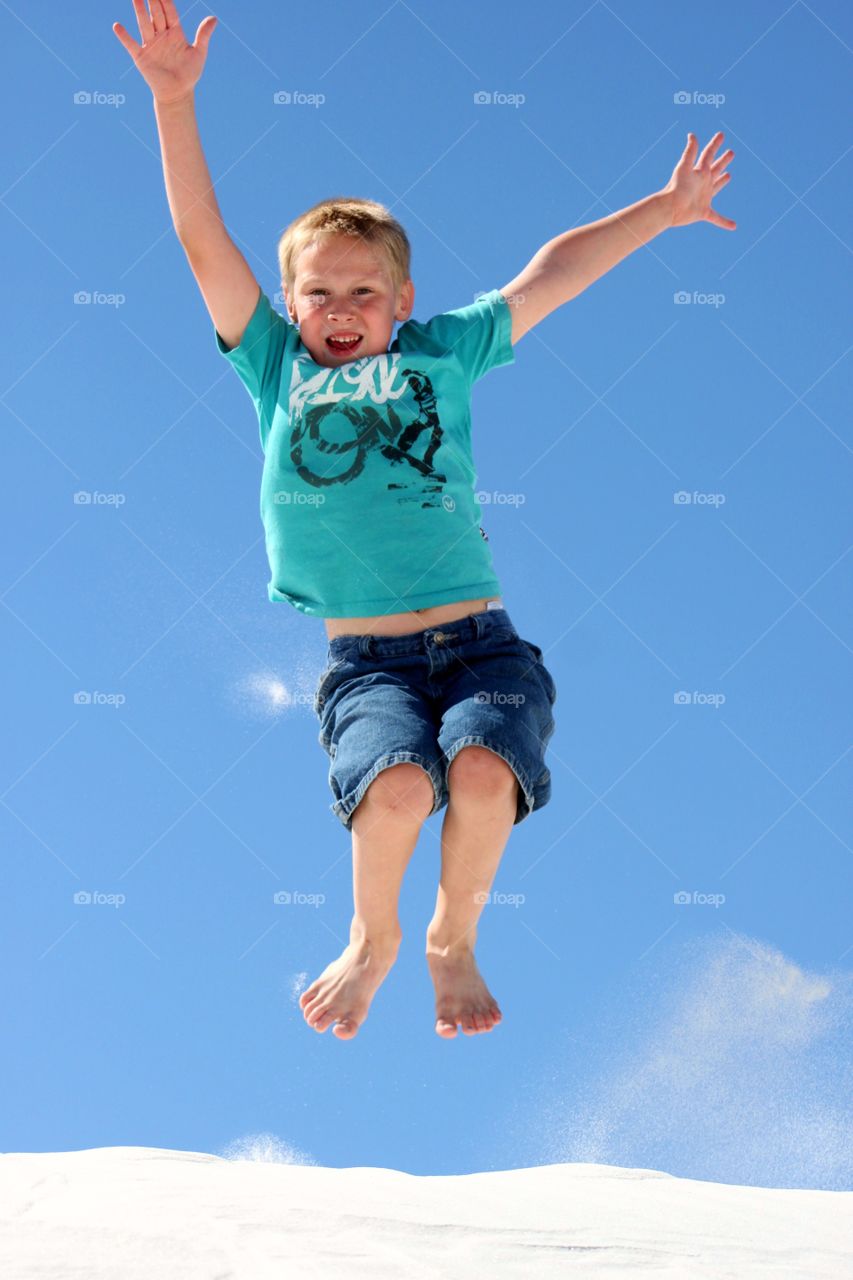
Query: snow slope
{"type": "Point", "coordinates": [142, 1213]}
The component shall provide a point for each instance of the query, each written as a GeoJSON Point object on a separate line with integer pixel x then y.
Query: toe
{"type": "Point", "coordinates": [319, 1019]}
{"type": "Point", "coordinates": [445, 1027]}
{"type": "Point", "coordinates": [345, 1028]}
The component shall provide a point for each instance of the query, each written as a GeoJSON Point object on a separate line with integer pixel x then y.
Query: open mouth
{"type": "Point", "coordinates": [343, 345]}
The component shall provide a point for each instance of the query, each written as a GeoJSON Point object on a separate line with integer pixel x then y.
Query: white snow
{"type": "Point", "coordinates": [142, 1213]}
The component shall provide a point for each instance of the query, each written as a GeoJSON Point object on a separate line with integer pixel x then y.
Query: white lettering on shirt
{"type": "Point", "coordinates": [374, 378]}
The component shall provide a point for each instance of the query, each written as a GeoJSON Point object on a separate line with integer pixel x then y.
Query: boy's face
{"type": "Point", "coordinates": [343, 287]}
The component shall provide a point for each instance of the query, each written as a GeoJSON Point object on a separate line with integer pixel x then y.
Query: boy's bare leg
{"type": "Point", "coordinates": [385, 828]}
{"type": "Point", "coordinates": [480, 815]}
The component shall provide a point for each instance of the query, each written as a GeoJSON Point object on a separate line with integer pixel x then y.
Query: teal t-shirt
{"type": "Point", "coordinates": [367, 493]}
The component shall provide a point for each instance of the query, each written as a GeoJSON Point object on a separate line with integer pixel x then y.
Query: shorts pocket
{"type": "Point", "coordinates": [536, 652]}
{"type": "Point", "coordinates": [534, 648]}
{"type": "Point", "coordinates": [503, 635]}
{"type": "Point", "coordinates": [324, 686]}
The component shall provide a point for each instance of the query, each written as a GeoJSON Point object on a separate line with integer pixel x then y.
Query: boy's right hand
{"type": "Point", "coordinates": [169, 65]}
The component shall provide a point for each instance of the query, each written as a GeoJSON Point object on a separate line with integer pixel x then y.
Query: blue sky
{"type": "Point", "coordinates": [189, 790]}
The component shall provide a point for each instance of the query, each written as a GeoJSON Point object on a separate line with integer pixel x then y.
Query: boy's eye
{"type": "Point", "coordinates": [362, 289]}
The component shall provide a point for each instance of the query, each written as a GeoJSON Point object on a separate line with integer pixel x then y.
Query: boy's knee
{"type": "Point", "coordinates": [475, 771]}
{"type": "Point", "coordinates": [404, 789]}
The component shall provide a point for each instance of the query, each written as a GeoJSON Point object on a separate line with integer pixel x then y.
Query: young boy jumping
{"type": "Point", "coordinates": [429, 695]}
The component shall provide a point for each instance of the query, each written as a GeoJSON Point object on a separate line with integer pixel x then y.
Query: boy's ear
{"type": "Point", "coordinates": [288, 304]}
{"type": "Point", "coordinates": [406, 301]}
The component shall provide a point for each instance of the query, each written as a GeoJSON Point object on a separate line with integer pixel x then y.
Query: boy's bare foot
{"type": "Point", "coordinates": [461, 995]}
{"type": "Point", "coordinates": [344, 990]}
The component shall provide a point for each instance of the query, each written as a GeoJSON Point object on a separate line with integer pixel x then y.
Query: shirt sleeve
{"type": "Point", "coordinates": [479, 335]}
{"type": "Point", "coordinates": [267, 343]}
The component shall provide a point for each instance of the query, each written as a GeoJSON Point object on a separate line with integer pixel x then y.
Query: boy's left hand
{"type": "Point", "coordinates": [694, 184]}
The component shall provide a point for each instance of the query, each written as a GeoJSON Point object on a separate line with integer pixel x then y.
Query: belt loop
{"type": "Point", "coordinates": [365, 646]}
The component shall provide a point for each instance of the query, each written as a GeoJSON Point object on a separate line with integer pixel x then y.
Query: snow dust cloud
{"type": "Point", "coordinates": [733, 1065]}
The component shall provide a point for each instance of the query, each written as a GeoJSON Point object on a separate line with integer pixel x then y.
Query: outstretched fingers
{"type": "Point", "coordinates": [710, 149]}
{"type": "Point", "coordinates": [728, 224]}
{"type": "Point", "coordinates": [205, 31]}
{"type": "Point", "coordinates": [722, 161]}
{"type": "Point", "coordinates": [689, 152]}
{"type": "Point", "coordinates": [128, 41]}
{"type": "Point", "coordinates": [158, 17]}
{"type": "Point", "coordinates": [146, 28]}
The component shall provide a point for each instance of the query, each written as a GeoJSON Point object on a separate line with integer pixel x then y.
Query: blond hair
{"type": "Point", "coordinates": [349, 216]}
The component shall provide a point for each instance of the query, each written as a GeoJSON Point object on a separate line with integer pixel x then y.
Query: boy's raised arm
{"type": "Point", "coordinates": [171, 67]}
{"type": "Point", "coordinates": [569, 263]}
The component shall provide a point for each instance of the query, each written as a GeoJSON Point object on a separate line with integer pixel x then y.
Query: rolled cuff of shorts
{"type": "Point", "coordinates": [345, 807]}
{"type": "Point", "coordinates": [530, 797]}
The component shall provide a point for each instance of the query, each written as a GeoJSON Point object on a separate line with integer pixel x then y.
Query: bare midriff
{"type": "Point", "coordinates": [399, 624]}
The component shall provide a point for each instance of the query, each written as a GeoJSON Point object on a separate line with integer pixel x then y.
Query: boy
{"type": "Point", "coordinates": [429, 695]}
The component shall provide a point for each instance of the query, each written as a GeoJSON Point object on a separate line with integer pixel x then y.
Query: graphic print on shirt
{"type": "Point", "coordinates": [370, 412]}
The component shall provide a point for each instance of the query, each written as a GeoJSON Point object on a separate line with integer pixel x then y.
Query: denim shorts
{"type": "Point", "coordinates": [421, 697]}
